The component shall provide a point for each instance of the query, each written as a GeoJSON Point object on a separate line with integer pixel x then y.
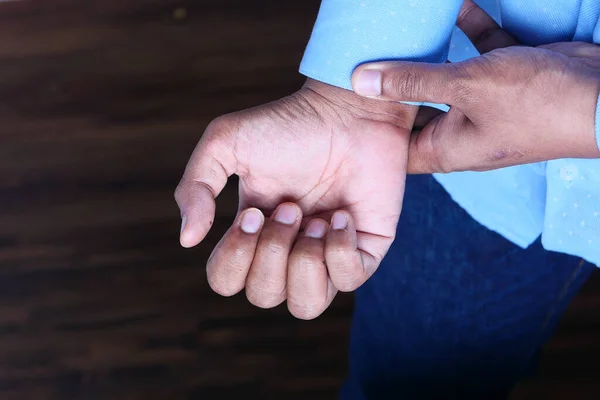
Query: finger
{"type": "Point", "coordinates": [348, 266]}
{"type": "Point", "coordinates": [588, 51]}
{"type": "Point", "coordinates": [485, 34]}
{"type": "Point", "coordinates": [422, 158]}
{"type": "Point", "coordinates": [425, 116]}
{"type": "Point", "coordinates": [205, 177]}
{"type": "Point", "coordinates": [447, 144]}
{"type": "Point", "coordinates": [267, 279]}
{"type": "Point", "coordinates": [309, 289]}
{"type": "Point", "coordinates": [228, 266]}
{"type": "Point", "coordinates": [408, 81]}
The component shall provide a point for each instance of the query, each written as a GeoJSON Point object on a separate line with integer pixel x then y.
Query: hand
{"type": "Point", "coordinates": [514, 105]}
{"type": "Point", "coordinates": [321, 184]}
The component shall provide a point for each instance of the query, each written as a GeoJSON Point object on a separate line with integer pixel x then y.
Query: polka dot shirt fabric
{"type": "Point", "coordinates": [560, 199]}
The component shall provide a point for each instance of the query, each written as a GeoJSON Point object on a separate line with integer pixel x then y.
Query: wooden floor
{"type": "Point", "coordinates": [101, 103]}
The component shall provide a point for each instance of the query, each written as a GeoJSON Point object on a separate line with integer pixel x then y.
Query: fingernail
{"type": "Point", "coordinates": [316, 229]}
{"type": "Point", "coordinates": [368, 83]}
{"type": "Point", "coordinates": [251, 221]}
{"type": "Point", "coordinates": [183, 223]}
{"type": "Point", "coordinates": [286, 214]}
{"type": "Point", "coordinates": [339, 221]}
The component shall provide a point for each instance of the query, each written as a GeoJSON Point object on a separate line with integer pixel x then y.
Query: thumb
{"type": "Point", "coordinates": [408, 81]}
{"type": "Point", "coordinates": [205, 176]}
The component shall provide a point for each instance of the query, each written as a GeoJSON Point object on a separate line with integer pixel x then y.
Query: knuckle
{"type": "Point", "coordinates": [220, 128]}
{"type": "Point", "coordinates": [438, 155]}
{"type": "Point", "coordinates": [460, 83]}
{"type": "Point", "coordinates": [274, 244]}
{"type": "Point", "coordinates": [406, 84]}
{"type": "Point", "coordinates": [305, 256]}
{"type": "Point", "coordinates": [465, 12]}
{"type": "Point", "coordinates": [226, 273]}
{"type": "Point", "coordinates": [339, 253]}
{"type": "Point", "coordinates": [275, 248]}
{"type": "Point", "coordinates": [215, 136]}
{"type": "Point", "coordinates": [441, 162]}
{"type": "Point", "coordinates": [220, 124]}
{"type": "Point", "coordinates": [346, 274]}
{"type": "Point", "coordinates": [237, 256]}
{"type": "Point", "coordinates": [178, 194]}
{"type": "Point", "coordinates": [181, 191]}
{"type": "Point", "coordinates": [261, 298]}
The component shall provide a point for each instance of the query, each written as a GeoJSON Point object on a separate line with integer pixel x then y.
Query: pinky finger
{"type": "Point", "coordinates": [348, 267]}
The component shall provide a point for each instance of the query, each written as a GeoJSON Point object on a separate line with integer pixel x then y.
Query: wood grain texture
{"type": "Point", "coordinates": [101, 104]}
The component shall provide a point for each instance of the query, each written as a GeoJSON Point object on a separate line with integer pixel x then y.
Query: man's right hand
{"type": "Point", "coordinates": [321, 184]}
{"type": "Point", "coordinates": [512, 105]}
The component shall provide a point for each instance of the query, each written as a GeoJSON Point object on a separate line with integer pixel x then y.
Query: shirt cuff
{"type": "Point", "coordinates": [350, 32]}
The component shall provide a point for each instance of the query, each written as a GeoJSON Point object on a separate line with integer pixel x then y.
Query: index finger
{"type": "Point", "coordinates": [485, 34]}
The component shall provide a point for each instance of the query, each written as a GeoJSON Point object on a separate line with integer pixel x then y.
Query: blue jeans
{"type": "Point", "coordinates": [455, 311]}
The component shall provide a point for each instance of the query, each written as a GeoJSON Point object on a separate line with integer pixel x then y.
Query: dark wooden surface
{"type": "Point", "coordinates": [101, 103]}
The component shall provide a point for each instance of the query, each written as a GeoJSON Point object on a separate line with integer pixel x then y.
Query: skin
{"type": "Point", "coordinates": [334, 165]}
{"type": "Point", "coordinates": [513, 105]}
{"type": "Point", "coordinates": [322, 171]}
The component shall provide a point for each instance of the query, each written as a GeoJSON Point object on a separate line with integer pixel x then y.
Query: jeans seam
{"type": "Point", "coordinates": [561, 296]}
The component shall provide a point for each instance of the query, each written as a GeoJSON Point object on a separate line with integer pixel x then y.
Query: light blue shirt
{"type": "Point", "coordinates": [560, 199]}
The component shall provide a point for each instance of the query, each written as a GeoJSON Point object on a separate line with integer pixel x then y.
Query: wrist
{"type": "Point", "coordinates": [399, 114]}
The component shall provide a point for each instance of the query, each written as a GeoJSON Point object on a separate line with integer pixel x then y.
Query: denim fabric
{"type": "Point", "coordinates": [455, 311]}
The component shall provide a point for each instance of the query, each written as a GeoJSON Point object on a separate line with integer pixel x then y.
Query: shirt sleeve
{"type": "Point", "coordinates": [351, 32]}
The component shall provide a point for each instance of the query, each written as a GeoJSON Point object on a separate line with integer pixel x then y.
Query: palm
{"type": "Point", "coordinates": [324, 161]}
{"type": "Point", "coordinates": [323, 153]}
